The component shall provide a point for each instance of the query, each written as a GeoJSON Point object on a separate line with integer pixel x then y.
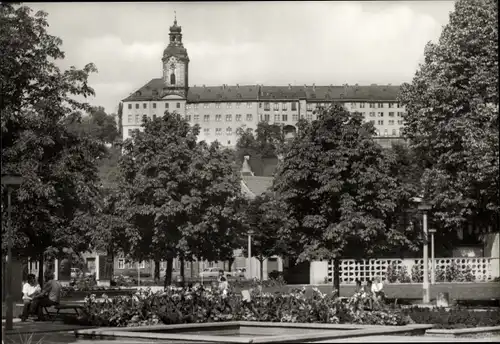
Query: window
{"type": "Point", "coordinates": [130, 118]}
{"type": "Point", "coordinates": [228, 142]}
{"type": "Point", "coordinates": [284, 106]}
{"type": "Point", "coordinates": [295, 117]}
{"type": "Point", "coordinates": [380, 105]}
{"type": "Point", "coordinates": [353, 105]}
{"type": "Point", "coordinates": [238, 118]}
{"type": "Point", "coordinates": [381, 114]}
{"type": "Point", "coordinates": [391, 105]}
{"type": "Point", "coordinates": [196, 118]}
{"type": "Point", "coordinates": [362, 105]}
{"type": "Point", "coordinates": [267, 106]}
{"type": "Point", "coordinates": [386, 132]}
{"type": "Point", "coordinates": [205, 105]}
{"type": "Point", "coordinates": [195, 106]}
{"type": "Point", "coordinates": [188, 106]}
{"type": "Point", "coordinates": [178, 105]}
{"type": "Point", "coordinates": [249, 105]}
{"type": "Point", "coordinates": [249, 117]}
{"type": "Point", "coordinates": [391, 122]}
{"type": "Point", "coordinates": [294, 106]}
{"type": "Point", "coordinates": [218, 131]}
{"type": "Point", "coordinates": [144, 105]}
{"type": "Point", "coordinates": [400, 114]}
{"type": "Point", "coordinates": [218, 118]}
{"type": "Point", "coordinates": [229, 105]}
{"type": "Point", "coordinates": [380, 122]}
{"type": "Point", "coordinates": [130, 106]}
{"type": "Point", "coordinates": [276, 106]}
{"type": "Point", "coordinates": [217, 105]}
{"type": "Point", "coordinates": [206, 131]}
{"type": "Point", "coordinates": [238, 105]}
{"type": "Point", "coordinates": [229, 131]}
{"type": "Point", "coordinates": [284, 118]}
{"type": "Point", "coordinates": [137, 118]}
{"type": "Point", "coordinates": [137, 105]}
{"type": "Point", "coordinates": [400, 122]}
{"type": "Point", "coordinates": [276, 117]}
{"type": "Point", "coordinates": [166, 105]}
{"type": "Point", "coordinates": [391, 114]}
{"type": "Point", "coordinates": [372, 105]}
{"type": "Point", "coordinates": [188, 118]}
{"type": "Point", "coordinates": [144, 117]}
{"type": "Point", "coordinates": [399, 105]}
{"type": "Point", "coordinates": [130, 132]}
{"type": "Point", "coordinates": [372, 122]}
{"type": "Point", "coordinates": [206, 118]}
{"type": "Point", "coordinates": [154, 116]}
{"type": "Point", "coordinates": [309, 106]}
{"type": "Point", "coordinates": [267, 117]}
{"type": "Point", "coordinates": [394, 133]}
{"type": "Point", "coordinates": [121, 263]}
{"type": "Point", "coordinates": [372, 114]}
{"type": "Point", "coordinates": [154, 105]}
{"type": "Point", "coordinates": [229, 118]}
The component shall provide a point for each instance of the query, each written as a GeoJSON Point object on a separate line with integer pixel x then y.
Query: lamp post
{"type": "Point", "coordinates": [10, 181]}
{"type": "Point", "coordinates": [425, 207]}
{"type": "Point", "coordinates": [249, 271]}
{"type": "Point", "coordinates": [433, 260]}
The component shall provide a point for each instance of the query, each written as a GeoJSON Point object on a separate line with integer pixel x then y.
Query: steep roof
{"type": "Point", "coordinates": [257, 185]}
{"type": "Point", "coordinates": [153, 90]}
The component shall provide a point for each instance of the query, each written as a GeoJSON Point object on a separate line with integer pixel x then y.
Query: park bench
{"type": "Point", "coordinates": [53, 315]}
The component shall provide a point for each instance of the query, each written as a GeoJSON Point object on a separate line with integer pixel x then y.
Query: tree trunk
{"type": "Point", "coordinates": [156, 275]}
{"type": "Point", "coordinates": [336, 276]}
{"type": "Point", "coordinates": [168, 273]}
{"type": "Point", "coordinates": [230, 263]}
{"type": "Point", "coordinates": [182, 271]}
{"type": "Point", "coordinates": [192, 268]}
{"type": "Point", "coordinates": [40, 270]}
{"type": "Point", "coordinates": [261, 260]}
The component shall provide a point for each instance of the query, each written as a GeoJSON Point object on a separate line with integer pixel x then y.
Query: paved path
{"type": "Point", "coordinates": [399, 339]}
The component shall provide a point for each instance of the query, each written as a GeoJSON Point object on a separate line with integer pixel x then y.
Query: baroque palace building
{"type": "Point", "coordinates": [221, 110]}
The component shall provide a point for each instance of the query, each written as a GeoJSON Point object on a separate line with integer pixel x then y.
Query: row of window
{"type": "Point", "coordinates": [218, 118]}
{"type": "Point", "coordinates": [218, 131]}
{"type": "Point", "coordinates": [391, 114]}
{"type": "Point", "coordinates": [129, 265]}
{"type": "Point", "coordinates": [391, 122]}
{"type": "Point", "coordinates": [267, 106]}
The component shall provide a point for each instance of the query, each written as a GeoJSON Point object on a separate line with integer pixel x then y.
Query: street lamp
{"type": "Point", "coordinates": [249, 271]}
{"type": "Point", "coordinates": [10, 181]}
{"type": "Point", "coordinates": [425, 207]}
{"type": "Point", "coordinates": [433, 260]}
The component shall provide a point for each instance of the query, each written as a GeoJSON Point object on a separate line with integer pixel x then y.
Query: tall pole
{"type": "Point", "coordinates": [249, 272]}
{"type": "Point", "coordinates": [426, 291]}
{"type": "Point", "coordinates": [8, 282]}
{"type": "Point", "coordinates": [433, 261]}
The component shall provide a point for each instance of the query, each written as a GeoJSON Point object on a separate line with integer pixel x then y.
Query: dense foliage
{"type": "Point", "coordinates": [197, 305]}
{"type": "Point", "coordinates": [452, 118]}
{"type": "Point", "coordinates": [454, 318]}
{"type": "Point", "coordinates": [58, 166]}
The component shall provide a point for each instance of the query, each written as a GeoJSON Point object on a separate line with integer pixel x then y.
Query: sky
{"type": "Point", "coordinates": [270, 43]}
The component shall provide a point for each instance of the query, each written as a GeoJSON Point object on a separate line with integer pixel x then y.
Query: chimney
{"type": "Point", "coordinates": [289, 86]}
{"type": "Point", "coordinates": [237, 85]}
{"type": "Point", "coordinates": [314, 87]}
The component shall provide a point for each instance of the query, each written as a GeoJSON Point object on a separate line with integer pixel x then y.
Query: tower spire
{"type": "Point", "coordinates": [175, 17]}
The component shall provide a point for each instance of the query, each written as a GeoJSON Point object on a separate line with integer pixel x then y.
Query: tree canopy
{"type": "Point", "coordinates": [452, 117]}
{"type": "Point", "coordinates": [339, 196]}
{"type": "Point", "coordinates": [60, 180]}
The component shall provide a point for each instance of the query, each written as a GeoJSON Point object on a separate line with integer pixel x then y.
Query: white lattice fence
{"type": "Point", "coordinates": [481, 268]}
{"type": "Point", "coordinates": [351, 269]}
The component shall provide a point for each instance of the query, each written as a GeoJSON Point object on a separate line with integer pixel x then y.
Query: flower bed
{"type": "Point", "coordinates": [454, 318]}
{"type": "Point", "coordinates": [177, 306]}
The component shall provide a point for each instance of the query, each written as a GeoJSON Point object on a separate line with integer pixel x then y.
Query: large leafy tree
{"type": "Point", "coordinates": [452, 117]}
{"type": "Point", "coordinates": [98, 125]}
{"type": "Point", "coordinates": [58, 166]}
{"type": "Point", "coordinates": [338, 194]}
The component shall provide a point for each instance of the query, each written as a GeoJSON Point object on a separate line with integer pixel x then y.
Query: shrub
{"type": "Point", "coordinates": [397, 274]}
{"type": "Point", "coordinates": [275, 274]}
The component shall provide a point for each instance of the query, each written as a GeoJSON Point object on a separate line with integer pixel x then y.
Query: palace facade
{"type": "Point", "coordinates": [221, 110]}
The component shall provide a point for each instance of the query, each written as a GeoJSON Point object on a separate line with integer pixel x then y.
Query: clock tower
{"type": "Point", "coordinates": [175, 64]}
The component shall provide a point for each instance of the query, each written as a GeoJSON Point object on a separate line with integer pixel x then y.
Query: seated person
{"type": "Point", "coordinates": [369, 294]}
{"type": "Point", "coordinates": [30, 290]}
{"type": "Point", "coordinates": [223, 285]}
{"type": "Point", "coordinates": [377, 290]}
{"type": "Point", "coordinates": [359, 288]}
{"type": "Point", "coordinates": [49, 296]}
